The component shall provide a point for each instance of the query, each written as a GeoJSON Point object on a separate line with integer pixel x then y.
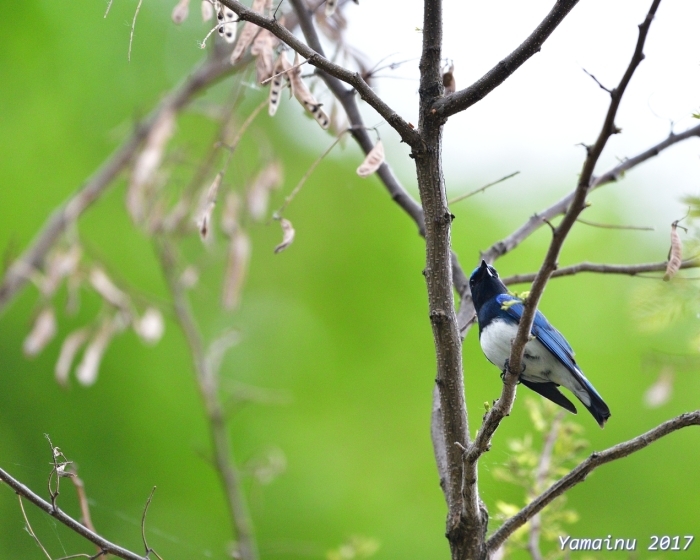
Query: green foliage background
{"type": "Point", "coordinates": [337, 325]}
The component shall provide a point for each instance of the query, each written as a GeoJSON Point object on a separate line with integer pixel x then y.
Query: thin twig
{"type": "Point", "coordinates": [29, 527]}
{"type": "Point", "coordinates": [133, 26]}
{"type": "Point", "coordinates": [579, 473]}
{"type": "Point", "coordinates": [541, 472]}
{"type": "Point", "coordinates": [109, 5]}
{"type": "Point", "coordinates": [75, 526]}
{"type": "Point", "coordinates": [143, 526]}
{"type": "Point", "coordinates": [614, 226]}
{"type": "Point", "coordinates": [207, 382]}
{"type": "Point", "coordinates": [283, 72]}
{"type": "Point", "coordinates": [626, 269]}
{"type": "Point", "coordinates": [295, 191]}
{"type": "Point", "coordinates": [83, 501]}
{"type": "Point", "coordinates": [482, 189]}
{"type": "Point", "coordinates": [596, 81]}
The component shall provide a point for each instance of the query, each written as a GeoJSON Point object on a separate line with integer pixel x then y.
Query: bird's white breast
{"type": "Point", "coordinates": [540, 364]}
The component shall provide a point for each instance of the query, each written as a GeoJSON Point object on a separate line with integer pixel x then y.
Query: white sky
{"type": "Point", "coordinates": [534, 120]}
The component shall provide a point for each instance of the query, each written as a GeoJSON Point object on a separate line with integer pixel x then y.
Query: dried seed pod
{"type": "Point", "coordinates": [448, 79]}
{"type": "Point", "coordinates": [181, 11]}
{"type": "Point", "coordinates": [207, 10]}
{"type": "Point", "coordinates": [281, 65]}
{"type": "Point", "coordinates": [263, 51]}
{"type": "Point", "coordinates": [231, 211]}
{"type": "Point", "coordinates": [236, 270]}
{"type": "Point", "coordinates": [305, 97]}
{"type": "Point", "coordinates": [287, 235]}
{"type": "Point", "coordinates": [207, 208]}
{"type": "Point", "coordinates": [87, 370]}
{"type": "Point", "coordinates": [61, 264]}
{"type": "Point", "coordinates": [150, 326]}
{"type": "Point", "coordinates": [189, 277]}
{"type": "Point", "coordinates": [147, 163]}
{"type": "Point", "coordinates": [662, 389]}
{"type": "Point", "coordinates": [43, 330]}
{"type": "Point", "coordinates": [69, 349]}
{"type": "Point", "coordinates": [106, 288]}
{"type": "Point", "coordinates": [374, 159]}
{"type": "Point", "coordinates": [248, 33]}
{"type": "Point", "coordinates": [259, 192]}
{"type": "Point", "coordinates": [227, 23]}
{"type": "Point", "coordinates": [675, 255]}
{"type": "Point", "coordinates": [331, 5]}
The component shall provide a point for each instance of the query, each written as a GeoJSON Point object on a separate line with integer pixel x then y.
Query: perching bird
{"type": "Point", "coordinates": [548, 361]}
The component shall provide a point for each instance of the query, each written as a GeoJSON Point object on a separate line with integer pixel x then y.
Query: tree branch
{"type": "Point", "coordinates": [214, 68]}
{"type": "Point", "coordinates": [579, 474]}
{"type": "Point", "coordinates": [461, 100]}
{"type": "Point", "coordinates": [68, 521]}
{"type": "Point", "coordinates": [315, 58]}
{"type": "Point", "coordinates": [504, 404]}
{"type": "Point", "coordinates": [628, 269]}
{"type": "Point", "coordinates": [207, 383]}
{"type": "Point", "coordinates": [538, 220]}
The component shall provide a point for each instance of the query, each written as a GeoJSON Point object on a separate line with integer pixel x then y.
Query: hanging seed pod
{"type": "Point", "coordinates": [263, 51]}
{"type": "Point", "coordinates": [207, 10]}
{"type": "Point", "coordinates": [150, 326]}
{"type": "Point", "coordinates": [248, 33]}
{"type": "Point", "coordinates": [268, 179]}
{"type": "Point", "coordinates": [208, 205]}
{"type": "Point", "coordinates": [106, 288]}
{"type": "Point", "coordinates": [43, 331]}
{"type": "Point", "coordinates": [227, 23]}
{"type": "Point", "coordinates": [281, 65]}
{"type": "Point", "coordinates": [87, 370]}
{"type": "Point", "coordinates": [331, 5]}
{"type": "Point", "coordinates": [675, 255]}
{"type": "Point", "coordinates": [374, 159]}
{"type": "Point", "coordinates": [305, 97]}
{"type": "Point", "coordinates": [236, 270]}
{"type": "Point", "coordinates": [69, 349]}
{"type": "Point", "coordinates": [448, 79]}
{"type": "Point", "coordinates": [181, 11]}
{"type": "Point", "coordinates": [287, 235]}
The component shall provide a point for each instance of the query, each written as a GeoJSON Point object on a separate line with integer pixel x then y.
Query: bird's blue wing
{"type": "Point", "coordinates": [552, 339]}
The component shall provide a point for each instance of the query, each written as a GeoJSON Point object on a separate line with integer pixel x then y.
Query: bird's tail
{"type": "Point", "coordinates": [598, 409]}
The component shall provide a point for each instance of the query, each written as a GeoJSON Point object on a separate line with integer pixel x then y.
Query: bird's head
{"type": "Point", "coordinates": [485, 284]}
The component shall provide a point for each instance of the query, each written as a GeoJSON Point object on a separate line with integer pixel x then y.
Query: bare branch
{"type": "Point", "coordinates": [627, 269]}
{"type": "Point", "coordinates": [315, 58]}
{"type": "Point", "coordinates": [68, 521]}
{"type": "Point", "coordinates": [535, 222]}
{"type": "Point", "coordinates": [482, 189]}
{"type": "Point", "coordinates": [614, 226]}
{"type": "Point", "coordinates": [533, 543]}
{"type": "Point", "coordinates": [65, 215]}
{"type": "Point", "coordinates": [207, 382]}
{"type": "Point", "coordinates": [504, 404]}
{"type": "Point", "coordinates": [461, 100]}
{"type": "Point", "coordinates": [601, 86]}
{"type": "Point", "coordinates": [579, 474]}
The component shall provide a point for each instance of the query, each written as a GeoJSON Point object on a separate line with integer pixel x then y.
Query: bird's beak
{"type": "Point", "coordinates": [485, 267]}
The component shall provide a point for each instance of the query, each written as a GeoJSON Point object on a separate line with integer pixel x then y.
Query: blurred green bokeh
{"type": "Point", "coordinates": [336, 327]}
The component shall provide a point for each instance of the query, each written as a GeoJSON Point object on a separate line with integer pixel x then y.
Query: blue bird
{"type": "Point", "coordinates": [548, 361]}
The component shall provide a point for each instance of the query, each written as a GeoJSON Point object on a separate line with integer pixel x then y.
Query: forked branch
{"type": "Point", "coordinates": [103, 544]}
{"type": "Point", "coordinates": [579, 473]}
